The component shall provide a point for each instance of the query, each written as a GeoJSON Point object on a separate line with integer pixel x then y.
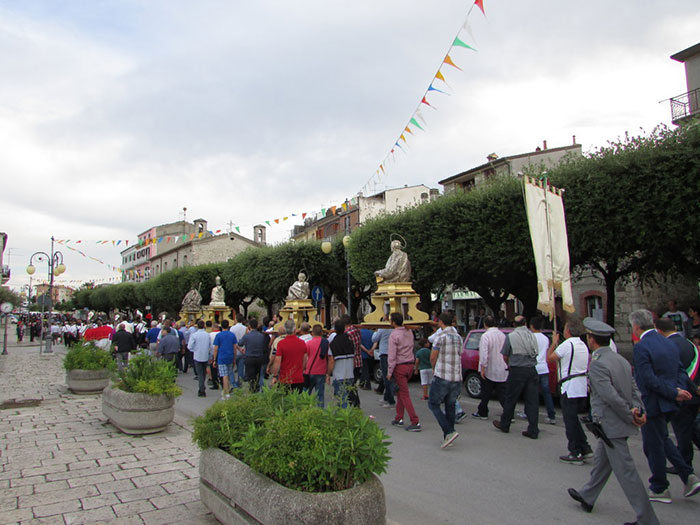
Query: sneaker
{"type": "Point", "coordinates": [397, 423]}
{"type": "Point", "coordinates": [414, 428]}
{"type": "Point", "coordinates": [476, 415]}
{"type": "Point", "coordinates": [460, 417]}
{"type": "Point", "coordinates": [660, 497]}
{"type": "Point", "coordinates": [588, 454]}
{"type": "Point", "coordinates": [692, 486]}
{"type": "Point", "coordinates": [571, 459]}
{"type": "Point", "coordinates": [385, 404]}
{"type": "Point", "coordinates": [449, 439]}
{"type": "Point", "coordinates": [550, 421]}
{"type": "Point", "coordinates": [521, 415]}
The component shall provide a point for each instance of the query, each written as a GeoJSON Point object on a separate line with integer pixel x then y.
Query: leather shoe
{"type": "Point", "coordinates": [631, 523]}
{"type": "Point", "coordinates": [528, 435]}
{"type": "Point", "coordinates": [497, 424]}
{"type": "Point", "coordinates": [576, 496]}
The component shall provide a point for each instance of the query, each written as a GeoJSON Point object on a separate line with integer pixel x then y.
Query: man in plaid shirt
{"type": "Point", "coordinates": [356, 337]}
{"type": "Point", "coordinates": [447, 380]}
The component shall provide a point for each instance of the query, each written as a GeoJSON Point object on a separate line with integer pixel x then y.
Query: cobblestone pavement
{"type": "Point", "coordinates": [61, 462]}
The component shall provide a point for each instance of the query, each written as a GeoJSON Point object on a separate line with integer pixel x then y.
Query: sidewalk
{"type": "Point", "coordinates": [60, 462]}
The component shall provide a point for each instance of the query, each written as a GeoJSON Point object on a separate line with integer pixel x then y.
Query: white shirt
{"type": "Point", "coordinates": [239, 330]}
{"type": "Point", "coordinates": [490, 357]}
{"type": "Point", "coordinates": [343, 368]}
{"type": "Point", "coordinates": [306, 337]}
{"type": "Point", "coordinates": [543, 344]}
{"type": "Point", "coordinates": [578, 386]}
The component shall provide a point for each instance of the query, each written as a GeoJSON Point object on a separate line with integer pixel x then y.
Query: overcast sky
{"type": "Point", "coordinates": [114, 115]}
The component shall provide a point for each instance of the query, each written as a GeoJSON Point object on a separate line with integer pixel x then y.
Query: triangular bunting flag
{"type": "Point", "coordinates": [431, 88]}
{"type": "Point", "coordinates": [402, 137]}
{"type": "Point", "coordinates": [277, 221]}
{"type": "Point", "coordinates": [408, 130]}
{"type": "Point", "coordinates": [448, 61]}
{"type": "Point", "coordinates": [458, 42]}
{"type": "Point", "coordinates": [424, 101]}
{"type": "Point", "coordinates": [238, 229]}
{"type": "Point", "coordinates": [268, 223]}
{"type": "Point", "coordinates": [440, 76]}
{"type": "Point", "coordinates": [480, 5]}
{"type": "Point", "coordinates": [419, 115]}
{"type": "Point", "coordinates": [415, 123]}
{"type": "Point", "coordinates": [284, 218]}
{"type": "Point", "coordinates": [303, 215]}
{"type": "Point", "coordinates": [323, 211]}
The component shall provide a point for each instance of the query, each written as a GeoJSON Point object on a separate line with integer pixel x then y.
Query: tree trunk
{"type": "Point", "coordinates": [327, 299]}
{"type": "Point", "coordinates": [610, 280]}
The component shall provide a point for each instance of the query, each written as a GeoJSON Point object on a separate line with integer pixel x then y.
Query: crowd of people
{"type": "Point", "coordinates": [662, 388]}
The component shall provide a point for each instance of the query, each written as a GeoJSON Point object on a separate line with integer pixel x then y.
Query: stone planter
{"type": "Point", "coordinates": [235, 493]}
{"type": "Point", "coordinates": [87, 381]}
{"type": "Point", "coordinates": [137, 413]}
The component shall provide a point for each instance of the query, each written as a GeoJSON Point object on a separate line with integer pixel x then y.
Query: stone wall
{"type": "Point", "coordinates": [218, 249]}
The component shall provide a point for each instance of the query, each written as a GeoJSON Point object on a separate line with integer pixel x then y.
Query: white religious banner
{"type": "Point", "coordinates": [550, 245]}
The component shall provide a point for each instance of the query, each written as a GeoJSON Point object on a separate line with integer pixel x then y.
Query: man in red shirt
{"type": "Point", "coordinates": [290, 360]}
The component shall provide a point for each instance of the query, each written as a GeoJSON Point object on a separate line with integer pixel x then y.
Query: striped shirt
{"type": "Point", "coordinates": [449, 362]}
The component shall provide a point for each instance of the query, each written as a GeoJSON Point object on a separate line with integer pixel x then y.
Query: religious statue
{"type": "Point", "coordinates": [217, 294]}
{"type": "Point", "coordinates": [300, 289]}
{"type": "Point", "coordinates": [398, 267]}
{"type": "Point", "coordinates": [193, 299]}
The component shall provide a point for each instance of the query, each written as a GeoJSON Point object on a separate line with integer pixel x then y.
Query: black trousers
{"type": "Point", "coordinates": [522, 380]}
{"type": "Point", "coordinates": [683, 423]}
{"type": "Point", "coordinates": [189, 361]}
{"type": "Point", "coordinates": [200, 368]}
{"type": "Point", "coordinates": [254, 366]}
{"type": "Point", "coordinates": [488, 388]}
{"type": "Point", "coordinates": [570, 409]}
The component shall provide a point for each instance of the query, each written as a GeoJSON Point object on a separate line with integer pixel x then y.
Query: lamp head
{"type": "Point", "coordinates": [31, 269]}
{"type": "Point", "coordinates": [346, 241]}
{"type": "Point", "coordinates": [60, 269]}
{"type": "Point", "coordinates": [326, 247]}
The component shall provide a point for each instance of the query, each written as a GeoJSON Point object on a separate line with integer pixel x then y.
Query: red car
{"type": "Point", "coordinates": [470, 363]}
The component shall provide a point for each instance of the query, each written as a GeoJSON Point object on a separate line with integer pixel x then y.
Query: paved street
{"type": "Point", "coordinates": [61, 463]}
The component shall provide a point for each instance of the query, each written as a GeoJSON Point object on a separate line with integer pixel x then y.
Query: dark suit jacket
{"type": "Point", "coordinates": [657, 371]}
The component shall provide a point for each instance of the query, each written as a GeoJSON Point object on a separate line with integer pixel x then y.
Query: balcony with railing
{"type": "Point", "coordinates": [685, 105]}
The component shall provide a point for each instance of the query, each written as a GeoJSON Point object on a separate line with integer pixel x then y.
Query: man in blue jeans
{"type": "Point", "coordinates": [381, 336]}
{"type": "Point", "coordinates": [199, 345]}
{"type": "Point", "coordinates": [447, 379]}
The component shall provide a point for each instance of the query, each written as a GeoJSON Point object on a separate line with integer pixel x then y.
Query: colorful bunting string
{"type": "Point", "coordinates": [447, 60]}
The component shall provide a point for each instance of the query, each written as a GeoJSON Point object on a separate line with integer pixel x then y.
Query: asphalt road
{"type": "Point", "coordinates": [487, 477]}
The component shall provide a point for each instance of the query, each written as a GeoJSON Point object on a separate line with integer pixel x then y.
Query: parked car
{"type": "Point", "coordinates": [470, 363]}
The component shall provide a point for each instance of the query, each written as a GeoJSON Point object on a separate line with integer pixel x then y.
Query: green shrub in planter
{"type": "Point", "coordinates": [148, 375]}
{"type": "Point", "coordinates": [287, 438]}
{"type": "Point", "coordinates": [87, 356]}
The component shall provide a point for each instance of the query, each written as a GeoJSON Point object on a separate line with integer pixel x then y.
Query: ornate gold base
{"type": "Point", "coordinates": [215, 314]}
{"type": "Point", "coordinates": [298, 310]}
{"type": "Point", "coordinates": [401, 298]}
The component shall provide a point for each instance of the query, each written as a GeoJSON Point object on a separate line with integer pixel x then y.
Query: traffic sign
{"type": "Point", "coordinates": [317, 294]}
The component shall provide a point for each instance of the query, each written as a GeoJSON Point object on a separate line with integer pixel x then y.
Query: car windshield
{"type": "Point", "coordinates": [472, 342]}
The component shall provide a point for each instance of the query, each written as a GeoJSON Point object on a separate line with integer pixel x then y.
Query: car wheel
{"type": "Point", "coordinates": [377, 373]}
{"type": "Point", "coordinates": [473, 385]}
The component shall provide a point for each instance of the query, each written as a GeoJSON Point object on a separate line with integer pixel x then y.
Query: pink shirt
{"type": "Point", "coordinates": [400, 348]}
{"type": "Point", "coordinates": [490, 358]}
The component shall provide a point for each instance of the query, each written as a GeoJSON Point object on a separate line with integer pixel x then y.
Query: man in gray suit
{"type": "Point", "coordinates": [615, 404]}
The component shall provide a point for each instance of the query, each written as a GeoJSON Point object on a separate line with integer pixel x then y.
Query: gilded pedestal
{"type": "Point", "coordinates": [299, 310]}
{"type": "Point", "coordinates": [400, 298]}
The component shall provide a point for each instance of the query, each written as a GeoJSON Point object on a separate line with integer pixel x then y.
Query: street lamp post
{"type": "Point", "coordinates": [56, 267]}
